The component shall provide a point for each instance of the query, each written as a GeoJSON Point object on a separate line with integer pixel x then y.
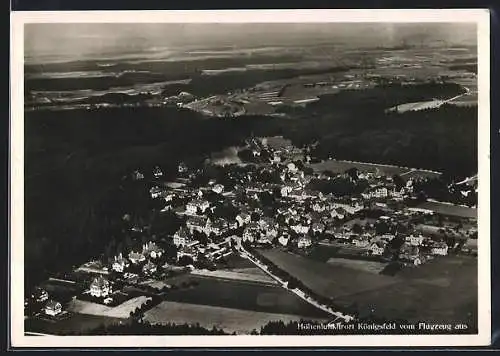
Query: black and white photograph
{"type": "Point", "coordinates": [247, 177]}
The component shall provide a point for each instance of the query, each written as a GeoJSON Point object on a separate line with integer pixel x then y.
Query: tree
{"type": "Point", "coordinates": [357, 229]}
{"type": "Point", "coordinates": [398, 181]}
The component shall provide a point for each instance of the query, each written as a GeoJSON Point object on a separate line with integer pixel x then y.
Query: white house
{"type": "Point", "coordinates": [136, 257]}
{"type": "Point", "coordinates": [169, 196]}
{"type": "Point", "coordinates": [292, 167]}
{"type": "Point", "coordinates": [285, 190]}
{"type": "Point", "coordinates": [137, 175]}
{"type": "Point", "coordinates": [377, 248]}
{"type": "Point", "coordinates": [155, 192]}
{"type": "Point", "coordinates": [318, 227]}
{"type": "Point", "coordinates": [359, 242]}
{"type": "Point", "coordinates": [283, 240]}
{"type": "Point", "coordinates": [300, 228]}
{"type": "Point", "coordinates": [119, 263]}
{"type": "Point", "coordinates": [149, 268]}
{"type": "Point", "coordinates": [440, 249]}
{"type": "Point", "coordinates": [53, 308]}
{"type": "Point", "coordinates": [152, 250]}
{"type": "Point", "coordinates": [193, 206]}
{"type": "Point", "coordinates": [199, 223]}
{"type": "Point", "coordinates": [189, 252]}
{"type": "Point", "coordinates": [100, 287]}
{"type": "Point", "coordinates": [181, 237]}
{"type": "Point", "coordinates": [218, 188]}
{"type": "Point", "coordinates": [243, 218]}
{"type": "Point", "coordinates": [251, 232]}
{"type": "Point", "coordinates": [304, 242]}
{"type": "Point", "coordinates": [319, 207]}
{"type": "Point", "coordinates": [377, 192]}
{"type": "Point", "coordinates": [415, 240]}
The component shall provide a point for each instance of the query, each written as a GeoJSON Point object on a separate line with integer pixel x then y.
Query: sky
{"type": "Point", "coordinates": [81, 40]}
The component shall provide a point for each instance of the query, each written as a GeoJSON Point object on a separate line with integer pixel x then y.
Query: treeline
{"type": "Point", "coordinates": [145, 328]}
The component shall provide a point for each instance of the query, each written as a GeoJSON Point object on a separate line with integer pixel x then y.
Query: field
{"type": "Point", "coordinates": [230, 320]}
{"type": "Point", "coordinates": [121, 311]}
{"type": "Point", "coordinates": [360, 265]}
{"type": "Point", "coordinates": [470, 99]}
{"type": "Point", "coordinates": [154, 284]}
{"type": "Point", "coordinates": [326, 279]}
{"type": "Point", "coordinates": [76, 324]}
{"type": "Point", "coordinates": [442, 290]}
{"type": "Point", "coordinates": [250, 276]}
{"type": "Point", "coordinates": [421, 105]}
{"type": "Point", "coordinates": [449, 209]}
{"type": "Point", "coordinates": [342, 166]}
{"type": "Point", "coordinates": [417, 173]}
{"type": "Point", "coordinates": [242, 295]}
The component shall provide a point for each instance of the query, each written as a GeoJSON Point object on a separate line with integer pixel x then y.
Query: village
{"type": "Point", "coordinates": [274, 201]}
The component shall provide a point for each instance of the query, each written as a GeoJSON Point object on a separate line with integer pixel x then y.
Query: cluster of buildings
{"type": "Point", "coordinates": [294, 215]}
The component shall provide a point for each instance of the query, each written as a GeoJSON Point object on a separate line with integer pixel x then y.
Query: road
{"type": "Point", "coordinates": [296, 291]}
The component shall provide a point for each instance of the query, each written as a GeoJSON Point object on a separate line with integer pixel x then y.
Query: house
{"type": "Point", "coordinates": [319, 207]}
{"type": "Point", "coordinates": [193, 206]}
{"type": "Point", "coordinates": [415, 240]}
{"type": "Point", "coordinates": [243, 218]}
{"type": "Point", "coordinates": [219, 227]}
{"type": "Point", "coordinates": [292, 167]}
{"type": "Point", "coordinates": [119, 263]}
{"type": "Point", "coordinates": [377, 248]}
{"type": "Point", "coordinates": [283, 240]}
{"type": "Point", "coordinates": [360, 242]}
{"type": "Point", "coordinates": [136, 257]}
{"type": "Point", "coordinates": [157, 173]}
{"type": "Point", "coordinates": [440, 249]}
{"type": "Point", "coordinates": [149, 268]}
{"type": "Point", "coordinates": [266, 222]}
{"type": "Point", "coordinates": [304, 242]}
{"type": "Point", "coordinates": [155, 192]}
{"type": "Point", "coordinates": [152, 250]}
{"type": "Point", "coordinates": [285, 190]}
{"type": "Point", "coordinates": [410, 253]}
{"type": "Point", "coordinates": [181, 237]}
{"type": "Point", "coordinates": [300, 228]}
{"type": "Point", "coordinates": [218, 188]}
{"type": "Point", "coordinates": [232, 225]}
{"type": "Point", "coordinates": [40, 295]}
{"type": "Point", "coordinates": [387, 237]}
{"type": "Point", "coordinates": [376, 192]}
{"type": "Point", "coordinates": [136, 175]}
{"type": "Point", "coordinates": [251, 232]}
{"type": "Point", "coordinates": [188, 252]}
{"type": "Point", "coordinates": [199, 223]}
{"type": "Point", "coordinates": [100, 287]}
{"type": "Point", "coordinates": [53, 308]}
{"type": "Point", "coordinates": [253, 188]}
{"type": "Point", "coordinates": [318, 227]}
{"type": "Point", "coordinates": [169, 196]}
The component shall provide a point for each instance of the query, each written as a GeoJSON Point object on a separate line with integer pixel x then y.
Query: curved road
{"type": "Point", "coordinates": [296, 291]}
